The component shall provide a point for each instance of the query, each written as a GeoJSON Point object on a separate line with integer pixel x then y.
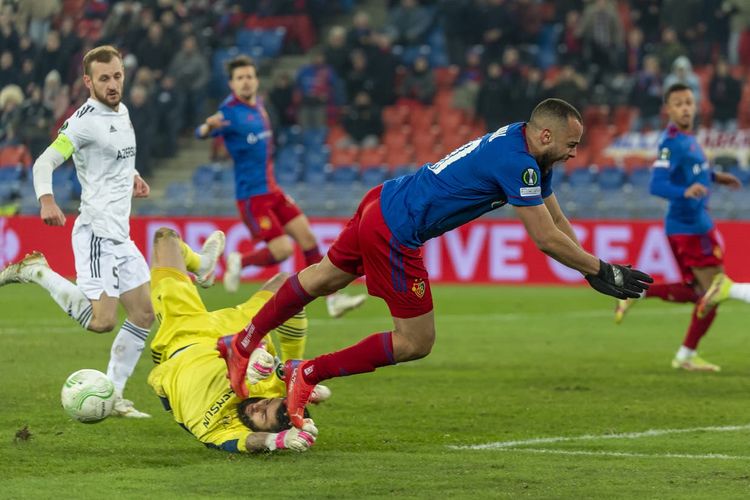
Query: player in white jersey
{"type": "Point", "coordinates": [109, 268]}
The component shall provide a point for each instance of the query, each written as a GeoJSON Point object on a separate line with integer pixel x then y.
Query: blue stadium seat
{"type": "Point", "coordinates": [178, 191]}
{"type": "Point", "coordinates": [581, 177]}
{"type": "Point", "coordinates": [272, 41]}
{"type": "Point", "coordinates": [218, 73]}
{"type": "Point", "coordinates": [314, 138]}
{"type": "Point", "coordinates": [558, 178]}
{"type": "Point", "coordinates": [402, 170]}
{"type": "Point", "coordinates": [204, 176]}
{"type": "Point", "coordinates": [743, 174]}
{"type": "Point", "coordinates": [11, 174]}
{"type": "Point", "coordinates": [640, 177]}
{"type": "Point", "coordinates": [317, 157]}
{"type": "Point", "coordinates": [7, 192]}
{"type": "Point", "coordinates": [373, 176]}
{"type": "Point", "coordinates": [225, 175]}
{"type": "Point", "coordinates": [611, 178]}
{"type": "Point", "coordinates": [344, 175]}
{"type": "Point", "coordinates": [248, 38]}
{"type": "Point", "coordinates": [315, 177]}
{"type": "Point", "coordinates": [290, 135]}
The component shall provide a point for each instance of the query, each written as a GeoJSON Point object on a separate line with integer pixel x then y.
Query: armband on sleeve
{"type": "Point", "coordinates": [64, 146]}
{"type": "Point", "coordinates": [43, 167]}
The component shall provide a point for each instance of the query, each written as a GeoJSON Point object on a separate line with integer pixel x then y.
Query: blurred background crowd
{"type": "Point", "coordinates": [362, 90]}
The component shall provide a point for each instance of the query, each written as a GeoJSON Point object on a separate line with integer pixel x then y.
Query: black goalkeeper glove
{"type": "Point", "coordinates": [618, 281]}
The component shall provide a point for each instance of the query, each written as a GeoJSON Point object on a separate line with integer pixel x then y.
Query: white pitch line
{"type": "Point", "coordinates": [548, 451]}
{"type": "Point", "coordinates": [596, 437]}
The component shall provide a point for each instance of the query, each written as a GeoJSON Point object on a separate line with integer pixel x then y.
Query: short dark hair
{"type": "Point", "coordinates": [239, 62]}
{"type": "Point", "coordinates": [675, 87]}
{"type": "Point", "coordinates": [556, 109]}
{"type": "Point", "coordinates": [281, 416]}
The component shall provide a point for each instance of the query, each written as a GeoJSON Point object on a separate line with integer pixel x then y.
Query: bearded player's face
{"type": "Point", "coordinates": [244, 82]}
{"type": "Point", "coordinates": [106, 81]}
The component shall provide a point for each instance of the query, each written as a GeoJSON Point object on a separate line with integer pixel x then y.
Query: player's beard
{"type": "Point", "coordinates": [106, 101]}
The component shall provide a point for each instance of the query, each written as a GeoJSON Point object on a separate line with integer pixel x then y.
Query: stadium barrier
{"type": "Point", "coordinates": [485, 251]}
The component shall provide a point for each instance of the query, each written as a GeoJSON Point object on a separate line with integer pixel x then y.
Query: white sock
{"type": "Point", "coordinates": [685, 353]}
{"type": "Point", "coordinates": [126, 351]}
{"type": "Point", "coordinates": [67, 295]}
{"type": "Point", "coordinates": [740, 291]}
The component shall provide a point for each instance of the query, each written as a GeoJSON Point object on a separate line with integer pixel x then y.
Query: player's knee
{"type": "Point", "coordinates": [414, 344]}
{"type": "Point", "coordinates": [283, 251]}
{"type": "Point", "coordinates": [143, 319]}
{"type": "Point", "coordinates": [101, 325]}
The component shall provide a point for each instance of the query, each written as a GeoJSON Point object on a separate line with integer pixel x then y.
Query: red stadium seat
{"type": "Point", "coordinates": [399, 156]}
{"type": "Point", "coordinates": [422, 117]}
{"type": "Point", "coordinates": [581, 160]}
{"type": "Point", "coordinates": [445, 76]}
{"type": "Point", "coordinates": [344, 156]}
{"type": "Point", "coordinates": [451, 119]}
{"type": "Point", "coordinates": [394, 116]}
{"type": "Point", "coordinates": [623, 119]}
{"type": "Point", "coordinates": [335, 134]}
{"type": "Point", "coordinates": [397, 138]}
{"type": "Point", "coordinates": [371, 157]}
{"type": "Point", "coordinates": [444, 100]}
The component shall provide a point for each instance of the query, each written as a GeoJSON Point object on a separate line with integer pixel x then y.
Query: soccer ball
{"type": "Point", "coordinates": [88, 396]}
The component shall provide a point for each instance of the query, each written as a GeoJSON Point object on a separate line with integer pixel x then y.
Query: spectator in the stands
{"type": "Point", "coordinates": [317, 85]}
{"type": "Point", "coordinates": [492, 101]}
{"type": "Point", "coordinates": [9, 38]}
{"type": "Point", "coordinates": [7, 69]}
{"type": "Point", "coordinates": [603, 36]}
{"type": "Point", "coordinates": [497, 28]}
{"type": "Point", "coordinates": [35, 122]}
{"type": "Point", "coordinates": [359, 77]}
{"type": "Point", "coordinates": [70, 42]}
{"type": "Point", "coordinates": [170, 30]}
{"type": "Point", "coordinates": [144, 120]}
{"type": "Point", "coordinates": [11, 97]}
{"type": "Point", "coordinates": [50, 58]}
{"type": "Point", "coordinates": [634, 51]}
{"type": "Point", "coordinates": [55, 95]}
{"type": "Point", "coordinates": [409, 23]}
{"type": "Point", "coordinates": [571, 45]}
{"type": "Point", "coordinates": [26, 48]}
{"type": "Point", "coordinates": [725, 92]}
{"type": "Point", "coordinates": [384, 65]}
{"type": "Point", "coordinates": [533, 91]}
{"type": "Point", "coordinates": [153, 52]}
{"type": "Point", "coordinates": [669, 49]}
{"type": "Point", "coordinates": [466, 86]}
{"type": "Point", "coordinates": [168, 103]}
{"type": "Point", "coordinates": [336, 51]}
{"type": "Point", "coordinates": [363, 122]}
{"type": "Point", "coordinates": [645, 14]}
{"type": "Point", "coordinates": [37, 15]}
{"type": "Point", "coordinates": [282, 100]}
{"type": "Point", "coordinates": [419, 82]}
{"type": "Point", "coordinates": [646, 95]}
{"type": "Point", "coordinates": [459, 20]}
{"type": "Point", "coordinates": [122, 18]}
{"type": "Point", "coordinates": [570, 86]}
{"type": "Point", "coordinates": [360, 34]}
{"type": "Point", "coordinates": [189, 67]}
{"type": "Point", "coordinates": [682, 72]}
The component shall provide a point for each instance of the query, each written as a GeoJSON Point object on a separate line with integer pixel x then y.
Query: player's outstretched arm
{"type": "Point", "coordinates": [558, 217]}
{"type": "Point", "coordinates": [212, 123]}
{"type": "Point", "coordinates": [48, 161]}
{"type": "Point", "coordinates": [610, 279]}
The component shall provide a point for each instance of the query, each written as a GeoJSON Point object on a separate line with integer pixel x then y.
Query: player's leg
{"type": "Point", "coordinates": [292, 334]}
{"type": "Point", "coordinates": [722, 288]}
{"type": "Point", "coordinates": [687, 356]}
{"type": "Point", "coordinates": [298, 227]}
{"type": "Point", "coordinates": [170, 251]}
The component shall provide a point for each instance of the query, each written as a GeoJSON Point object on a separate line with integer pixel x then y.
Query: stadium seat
{"type": "Point", "coordinates": [247, 39]}
{"type": "Point", "coordinates": [271, 41]}
{"type": "Point", "coordinates": [314, 138]}
{"type": "Point", "coordinates": [399, 156]}
{"type": "Point", "coordinates": [204, 176]}
{"type": "Point", "coordinates": [611, 178]}
{"type": "Point", "coordinates": [178, 191]}
{"type": "Point", "coordinates": [394, 116]}
{"type": "Point", "coordinates": [344, 175]}
{"type": "Point", "coordinates": [582, 177]}
{"type": "Point", "coordinates": [225, 175]}
{"type": "Point", "coordinates": [403, 170]}
{"type": "Point", "coordinates": [743, 174]}
{"type": "Point", "coordinates": [315, 177]}
{"type": "Point", "coordinates": [11, 173]}
{"type": "Point", "coordinates": [374, 175]}
{"type": "Point", "coordinates": [344, 156]}
{"type": "Point", "coordinates": [558, 179]}
{"type": "Point", "coordinates": [370, 157]}
{"type": "Point", "coordinates": [640, 177]}
{"type": "Point", "coordinates": [397, 138]}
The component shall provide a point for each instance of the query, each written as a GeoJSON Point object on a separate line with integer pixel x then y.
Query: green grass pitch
{"type": "Point", "coordinates": [510, 364]}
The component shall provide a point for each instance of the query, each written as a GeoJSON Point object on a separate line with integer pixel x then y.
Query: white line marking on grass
{"type": "Point", "coordinates": [619, 454]}
{"type": "Point", "coordinates": [596, 437]}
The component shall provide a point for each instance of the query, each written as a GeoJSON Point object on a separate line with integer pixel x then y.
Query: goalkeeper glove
{"type": "Point", "coordinates": [619, 281]}
{"type": "Point", "coordinates": [260, 365]}
{"type": "Point", "coordinates": [294, 439]}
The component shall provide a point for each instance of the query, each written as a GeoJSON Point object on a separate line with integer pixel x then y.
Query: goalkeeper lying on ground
{"type": "Point", "coordinates": [190, 377]}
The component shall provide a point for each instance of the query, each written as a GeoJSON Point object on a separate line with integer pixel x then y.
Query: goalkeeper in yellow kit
{"type": "Point", "coordinates": [190, 376]}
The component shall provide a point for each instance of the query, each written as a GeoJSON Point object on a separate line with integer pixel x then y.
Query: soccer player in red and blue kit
{"type": "Point", "coordinates": [382, 241]}
{"type": "Point", "coordinates": [267, 211]}
{"type": "Point", "coordinates": [683, 176]}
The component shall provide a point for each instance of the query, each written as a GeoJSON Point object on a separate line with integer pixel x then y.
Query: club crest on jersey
{"type": "Point", "coordinates": [418, 288]}
{"type": "Point", "coordinates": [718, 253]}
{"type": "Point", "coordinates": [530, 177]}
{"type": "Point", "coordinates": [664, 154]}
{"type": "Point", "coordinates": [265, 223]}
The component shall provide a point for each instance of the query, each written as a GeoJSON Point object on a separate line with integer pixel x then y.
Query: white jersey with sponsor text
{"type": "Point", "coordinates": [104, 157]}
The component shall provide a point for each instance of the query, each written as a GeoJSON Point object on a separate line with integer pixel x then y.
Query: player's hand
{"type": "Point", "coordinates": [618, 281]}
{"type": "Point", "coordinates": [50, 212]}
{"type": "Point", "coordinates": [140, 187]}
{"type": "Point", "coordinates": [728, 180]}
{"type": "Point", "coordinates": [294, 439]}
{"type": "Point", "coordinates": [216, 121]}
{"type": "Point", "coordinates": [696, 190]}
{"type": "Point", "coordinates": [260, 366]}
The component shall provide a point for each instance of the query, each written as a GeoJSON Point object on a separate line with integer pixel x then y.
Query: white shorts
{"type": "Point", "coordinates": [104, 265]}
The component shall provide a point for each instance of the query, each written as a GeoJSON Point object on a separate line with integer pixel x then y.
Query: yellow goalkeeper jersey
{"type": "Point", "coordinates": [190, 377]}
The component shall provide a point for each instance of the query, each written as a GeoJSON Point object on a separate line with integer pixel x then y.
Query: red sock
{"type": "Point", "coordinates": [673, 292]}
{"type": "Point", "coordinates": [365, 356]}
{"type": "Point", "coordinates": [288, 301]}
{"type": "Point", "coordinates": [698, 328]}
{"type": "Point", "coordinates": [312, 256]}
{"type": "Point", "coordinates": [260, 258]}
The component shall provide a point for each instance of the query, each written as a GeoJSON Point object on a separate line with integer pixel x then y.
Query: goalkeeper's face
{"type": "Point", "coordinates": [106, 81]}
{"type": "Point", "coordinates": [244, 82]}
{"type": "Point", "coordinates": [264, 415]}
